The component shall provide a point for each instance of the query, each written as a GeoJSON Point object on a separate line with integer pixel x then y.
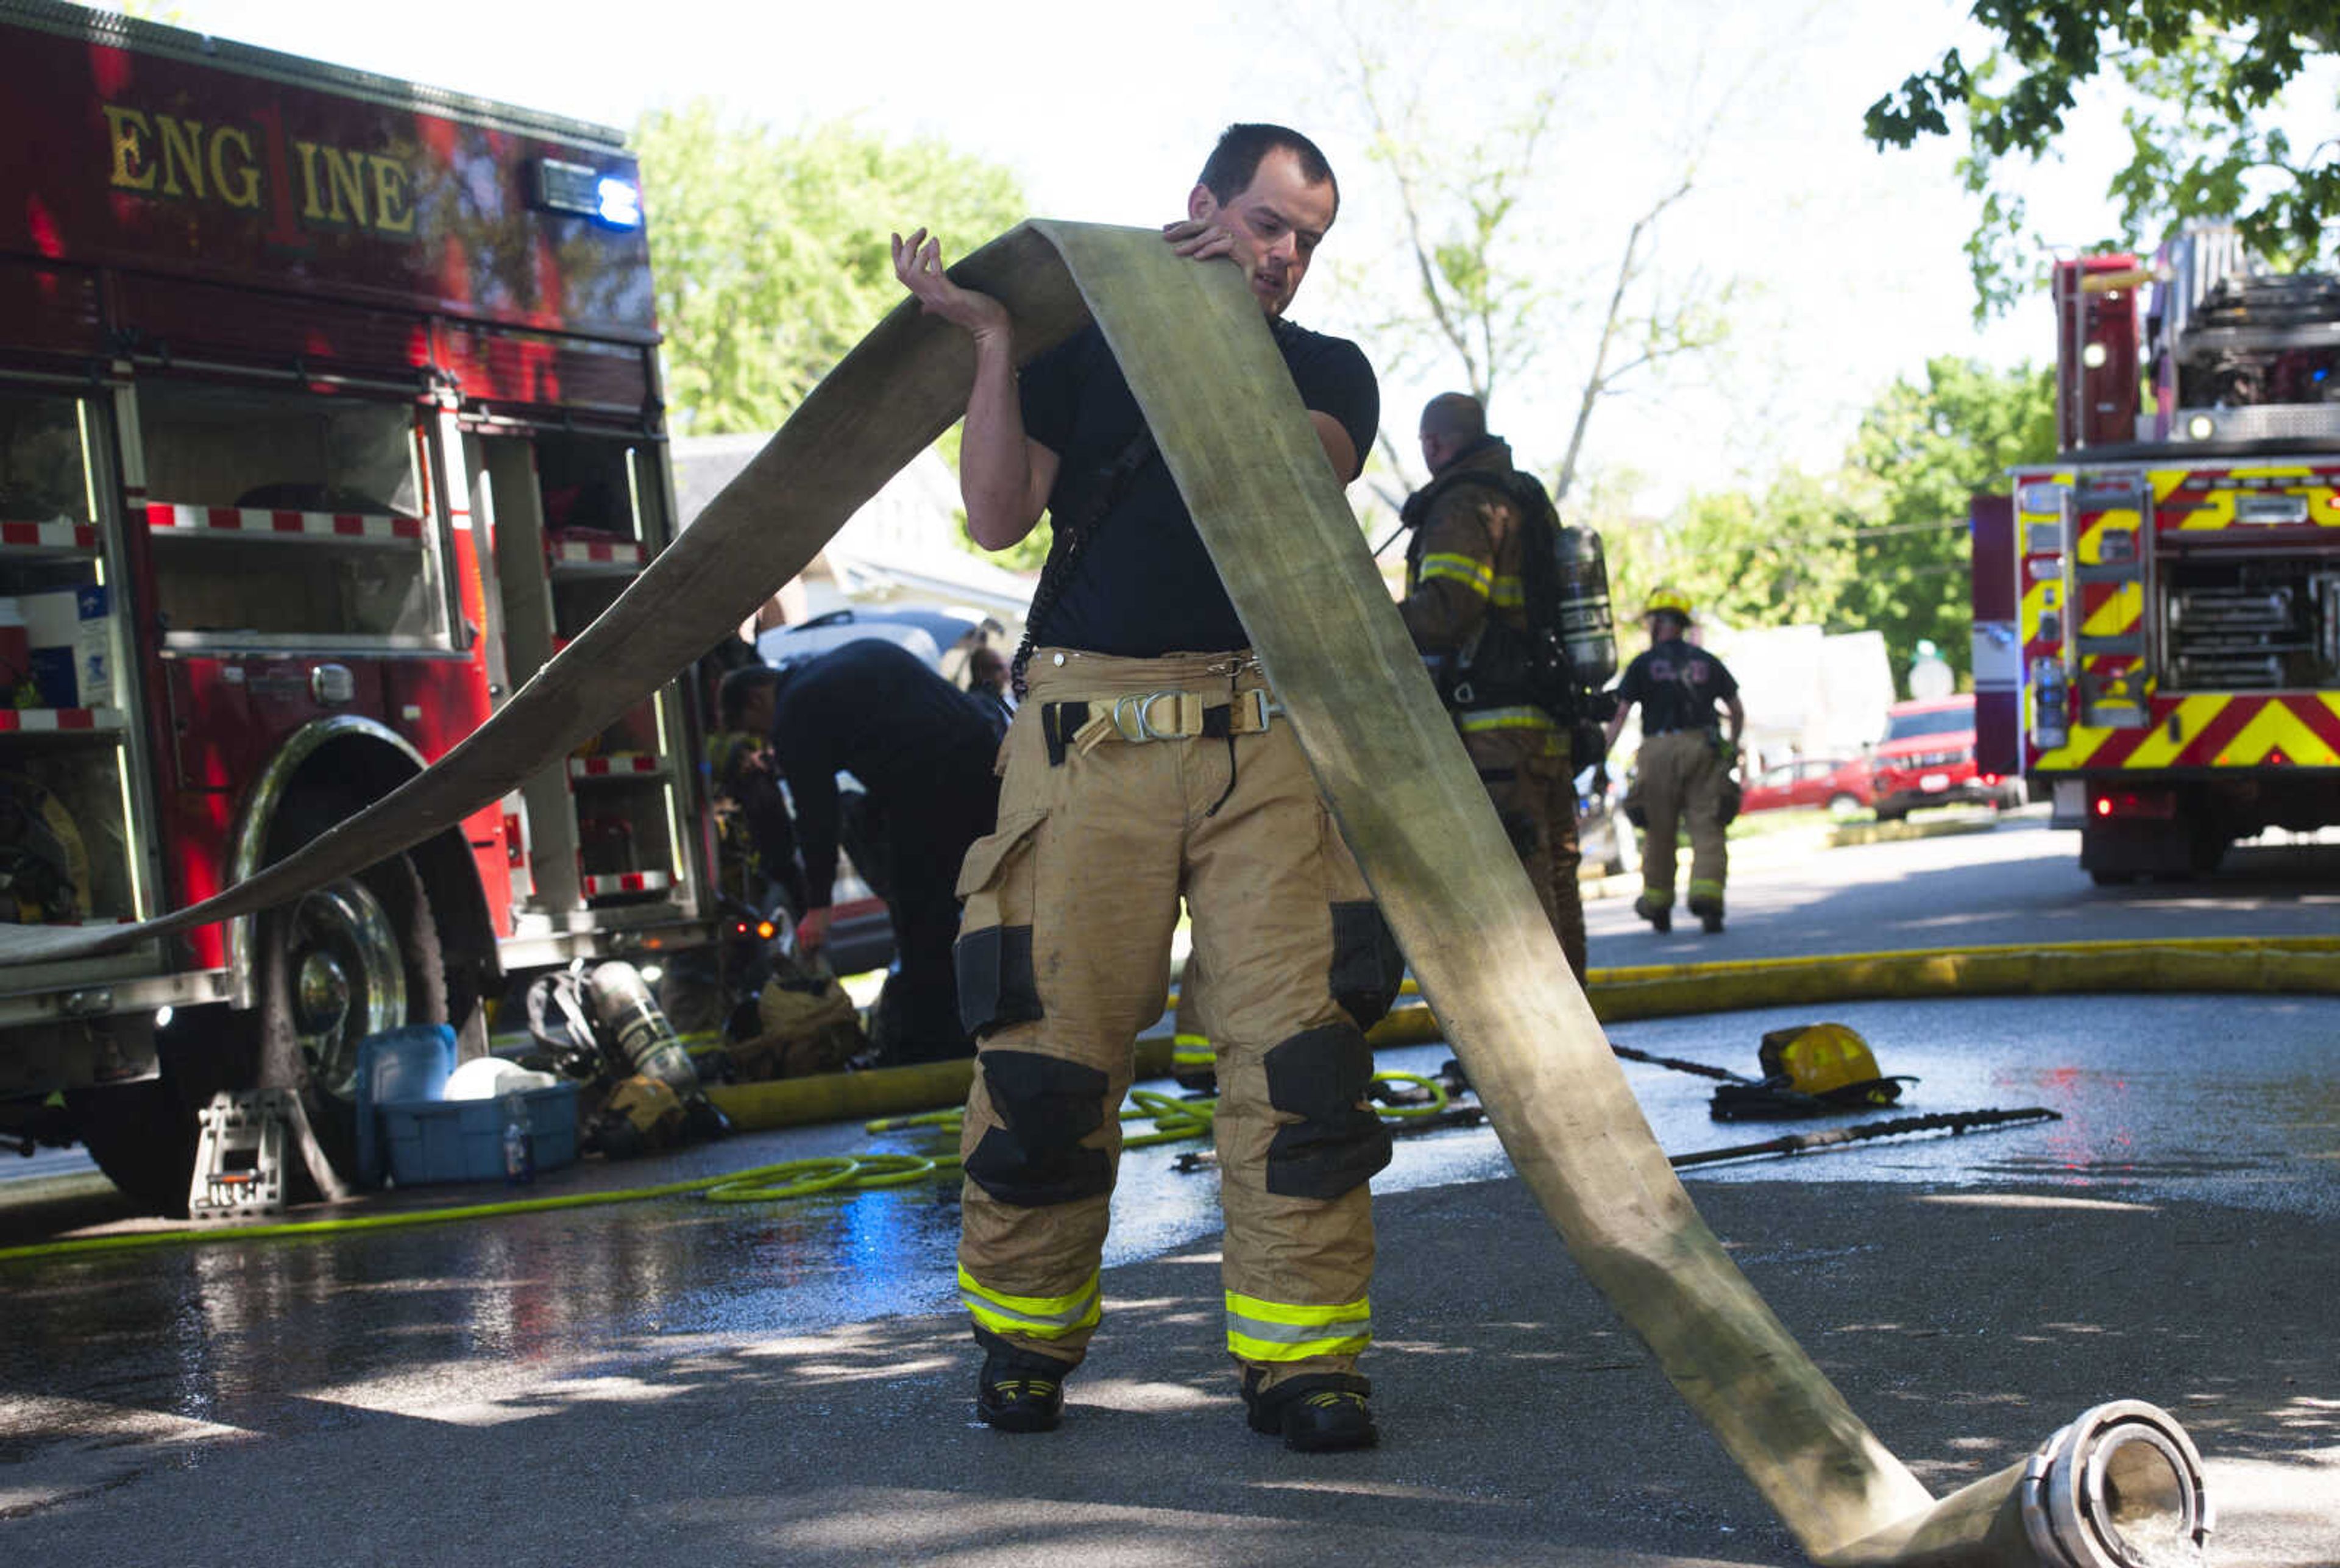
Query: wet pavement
{"type": "Point", "coordinates": [2168, 1238]}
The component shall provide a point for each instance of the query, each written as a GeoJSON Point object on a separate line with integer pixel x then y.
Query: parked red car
{"type": "Point", "coordinates": [1927, 758]}
{"type": "Point", "coordinates": [1838, 783]}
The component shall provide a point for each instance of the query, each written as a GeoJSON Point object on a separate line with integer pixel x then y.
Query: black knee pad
{"type": "Point", "coordinates": [1336, 1144]}
{"type": "Point", "coordinates": [995, 984]}
{"type": "Point", "coordinates": [1049, 1106]}
{"type": "Point", "coordinates": [1367, 966]}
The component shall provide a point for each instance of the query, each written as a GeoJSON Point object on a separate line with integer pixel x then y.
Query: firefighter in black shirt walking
{"type": "Point", "coordinates": [1684, 761]}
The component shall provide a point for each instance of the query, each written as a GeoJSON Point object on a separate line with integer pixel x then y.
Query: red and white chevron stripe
{"type": "Point", "coordinates": [261, 522]}
{"type": "Point", "coordinates": [574, 552]}
{"type": "Point", "coordinates": [53, 721]}
{"type": "Point", "coordinates": [613, 765]}
{"type": "Point", "coordinates": [628, 882]}
{"type": "Point", "coordinates": [55, 534]}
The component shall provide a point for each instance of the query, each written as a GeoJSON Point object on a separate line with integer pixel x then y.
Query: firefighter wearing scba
{"type": "Point", "coordinates": [1149, 762]}
{"type": "Point", "coordinates": [1684, 763]}
{"type": "Point", "coordinates": [1464, 568]}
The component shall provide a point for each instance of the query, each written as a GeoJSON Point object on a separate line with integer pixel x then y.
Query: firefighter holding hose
{"type": "Point", "coordinates": [1149, 762]}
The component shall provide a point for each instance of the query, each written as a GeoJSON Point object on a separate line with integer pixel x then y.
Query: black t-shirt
{"type": "Point", "coordinates": [1677, 684]}
{"type": "Point", "coordinates": [873, 708]}
{"type": "Point", "coordinates": [1143, 584]}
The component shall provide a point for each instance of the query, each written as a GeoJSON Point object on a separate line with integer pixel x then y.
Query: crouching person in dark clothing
{"type": "Point", "coordinates": [924, 755]}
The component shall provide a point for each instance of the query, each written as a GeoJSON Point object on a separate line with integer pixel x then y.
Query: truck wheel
{"type": "Point", "coordinates": [347, 960]}
{"type": "Point", "coordinates": [1843, 806]}
{"type": "Point", "coordinates": [143, 1137]}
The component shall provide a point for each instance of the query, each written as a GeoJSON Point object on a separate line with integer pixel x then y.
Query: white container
{"type": "Point", "coordinates": [72, 626]}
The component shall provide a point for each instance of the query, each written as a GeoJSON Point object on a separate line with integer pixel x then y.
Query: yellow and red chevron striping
{"type": "Point", "coordinates": [2301, 731]}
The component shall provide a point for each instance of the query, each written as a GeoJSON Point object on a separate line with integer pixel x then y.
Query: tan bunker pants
{"type": "Point", "coordinates": [1680, 785]}
{"type": "Point", "coordinates": [1129, 784]}
{"type": "Point", "coordinates": [1523, 757]}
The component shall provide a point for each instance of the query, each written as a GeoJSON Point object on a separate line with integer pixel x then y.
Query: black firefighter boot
{"type": "Point", "coordinates": [1709, 914]}
{"type": "Point", "coordinates": [1017, 1391]}
{"type": "Point", "coordinates": [1660, 917]}
{"type": "Point", "coordinates": [1317, 1413]}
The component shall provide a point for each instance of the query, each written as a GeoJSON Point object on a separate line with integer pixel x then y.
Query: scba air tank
{"type": "Point", "coordinates": [635, 1031]}
{"type": "Point", "coordinates": [1586, 626]}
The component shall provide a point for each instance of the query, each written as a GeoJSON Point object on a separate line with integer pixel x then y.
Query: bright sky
{"type": "Point", "coordinates": [1851, 259]}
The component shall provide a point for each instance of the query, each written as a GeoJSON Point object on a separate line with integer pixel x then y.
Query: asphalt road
{"type": "Point", "coordinates": [673, 1381]}
{"type": "Point", "coordinates": [2013, 881]}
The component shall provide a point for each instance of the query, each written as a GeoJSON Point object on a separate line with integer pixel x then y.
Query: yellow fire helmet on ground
{"type": "Point", "coordinates": [1828, 1062]}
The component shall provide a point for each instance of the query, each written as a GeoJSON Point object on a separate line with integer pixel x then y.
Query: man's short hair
{"type": "Point", "coordinates": [1455, 416]}
{"type": "Point", "coordinates": [1234, 163]}
{"type": "Point", "coordinates": [738, 688]}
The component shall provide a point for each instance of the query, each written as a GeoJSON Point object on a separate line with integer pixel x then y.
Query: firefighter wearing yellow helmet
{"type": "Point", "coordinates": [1685, 760]}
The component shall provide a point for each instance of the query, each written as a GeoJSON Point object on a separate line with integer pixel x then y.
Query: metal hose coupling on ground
{"type": "Point", "coordinates": [2120, 1488]}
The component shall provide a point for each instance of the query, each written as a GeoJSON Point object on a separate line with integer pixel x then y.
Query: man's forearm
{"type": "Point", "coordinates": [995, 464]}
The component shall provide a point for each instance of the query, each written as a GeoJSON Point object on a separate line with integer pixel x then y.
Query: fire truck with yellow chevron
{"type": "Point", "coordinates": [2157, 613]}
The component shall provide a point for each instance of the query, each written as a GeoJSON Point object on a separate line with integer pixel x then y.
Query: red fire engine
{"type": "Point", "coordinates": [329, 408]}
{"type": "Point", "coordinates": [2157, 634]}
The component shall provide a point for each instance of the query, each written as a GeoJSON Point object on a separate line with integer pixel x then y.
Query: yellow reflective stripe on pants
{"type": "Point", "coordinates": [1475, 575]}
{"type": "Point", "coordinates": [1702, 891]}
{"type": "Point", "coordinates": [1033, 1316]}
{"type": "Point", "coordinates": [1274, 1331]}
{"type": "Point", "coordinates": [1192, 1050]}
{"type": "Point", "coordinates": [1498, 721]}
{"type": "Point", "coordinates": [1472, 720]}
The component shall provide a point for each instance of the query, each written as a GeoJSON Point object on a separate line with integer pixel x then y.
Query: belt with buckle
{"type": "Point", "coordinates": [1153, 716]}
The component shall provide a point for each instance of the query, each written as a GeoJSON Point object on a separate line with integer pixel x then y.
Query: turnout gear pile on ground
{"type": "Point", "coordinates": [603, 1026]}
{"type": "Point", "coordinates": [806, 1023]}
{"type": "Point", "coordinates": [1064, 958]}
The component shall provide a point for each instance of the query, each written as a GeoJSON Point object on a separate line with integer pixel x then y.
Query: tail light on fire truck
{"type": "Point", "coordinates": [2134, 805]}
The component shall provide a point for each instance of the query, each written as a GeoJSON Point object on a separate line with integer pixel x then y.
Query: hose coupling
{"type": "Point", "coordinates": [2120, 1488]}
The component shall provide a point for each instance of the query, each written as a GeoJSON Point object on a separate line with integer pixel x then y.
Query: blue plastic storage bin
{"type": "Point", "coordinates": [463, 1140]}
{"type": "Point", "coordinates": [411, 1063]}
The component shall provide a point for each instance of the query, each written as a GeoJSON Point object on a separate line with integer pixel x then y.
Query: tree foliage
{"type": "Point", "coordinates": [1922, 452]}
{"type": "Point", "coordinates": [769, 249]}
{"type": "Point", "coordinates": [1777, 558]}
{"type": "Point", "coordinates": [1879, 544]}
{"type": "Point", "coordinates": [2205, 79]}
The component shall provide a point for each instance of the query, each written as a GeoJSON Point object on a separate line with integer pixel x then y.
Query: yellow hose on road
{"type": "Point", "coordinates": [2302, 965]}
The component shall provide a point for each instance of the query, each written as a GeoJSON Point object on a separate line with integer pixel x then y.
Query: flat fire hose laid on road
{"type": "Point", "coordinates": [2122, 1479]}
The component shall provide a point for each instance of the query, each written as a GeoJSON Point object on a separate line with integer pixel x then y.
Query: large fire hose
{"type": "Point", "coordinates": [2122, 1480]}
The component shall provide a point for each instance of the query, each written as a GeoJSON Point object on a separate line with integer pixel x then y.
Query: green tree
{"type": "Point", "coordinates": [769, 249]}
{"type": "Point", "coordinates": [1924, 450]}
{"type": "Point", "coordinates": [1782, 558]}
{"type": "Point", "coordinates": [2206, 82]}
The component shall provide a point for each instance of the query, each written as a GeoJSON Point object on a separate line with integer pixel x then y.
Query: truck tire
{"type": "Point", "coordinates": [143, 1137]}
{"type": "Point", "coordinates": [358, 953]}
{"type": "Point", "coordinates": [352, 957]}
{"type": "Point", "coordinates": [1843, 805]}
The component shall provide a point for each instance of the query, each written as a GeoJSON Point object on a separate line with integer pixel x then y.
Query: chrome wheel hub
{"type": "Point", "coordinates": [348, 980]}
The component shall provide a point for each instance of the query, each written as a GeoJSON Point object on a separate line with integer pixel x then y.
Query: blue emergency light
{"type": "Point", "coordinates": [585, 191]}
